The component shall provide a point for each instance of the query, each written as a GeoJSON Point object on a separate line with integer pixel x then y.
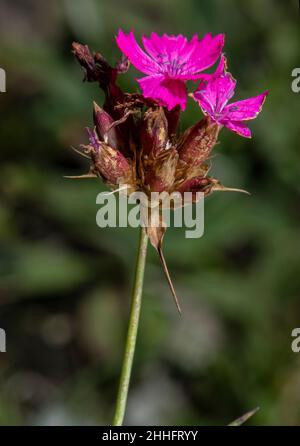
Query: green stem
{"type": "Point", "coordinates": [132, 330]}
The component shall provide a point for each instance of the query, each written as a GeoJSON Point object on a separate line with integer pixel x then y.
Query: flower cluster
{"type": "Point", "coordinates": [135, 140]}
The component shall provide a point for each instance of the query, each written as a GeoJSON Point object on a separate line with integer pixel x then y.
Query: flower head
{"type": "Point", "coordinates": [136, 144]}
{"type": "Point", "coordinates": [213, 95]}
{"type": "Point", "coordinates": [170, 61]}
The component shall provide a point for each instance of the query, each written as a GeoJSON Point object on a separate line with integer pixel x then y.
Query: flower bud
{"type": "Point", "coordinates": [111, 165]}
{"type": "Point", "coordinates": [154, 132]}
{"type": "Point", "coordinates": [107, 162]}
{"type": "Point", "coordinates": [103, 122]}
{"type": "Point", "coordinates": [160, 173]}
{"type": "Point", "coordinates": [197, 142]}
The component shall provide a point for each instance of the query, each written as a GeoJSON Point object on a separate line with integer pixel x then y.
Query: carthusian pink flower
{"type": "Point", "coordinates": [170, 61]}
{"type": "Point", "coordinates": [136, 140]}
{"type": "Point", "coordinates": [213, 95]}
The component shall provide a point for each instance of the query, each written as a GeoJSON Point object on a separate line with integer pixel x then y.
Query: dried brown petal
{"type": "Point", "coordinates": [97, 69]}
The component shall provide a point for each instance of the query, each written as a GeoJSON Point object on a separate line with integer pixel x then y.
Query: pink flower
{"type": "Point", "coordinates": [170, 61]}
{"type": "Point", "coordinates": [213, 95]}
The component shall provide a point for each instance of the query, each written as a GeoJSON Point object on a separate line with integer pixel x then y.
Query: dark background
{"type": "Point", "coordinates": [65, 284]}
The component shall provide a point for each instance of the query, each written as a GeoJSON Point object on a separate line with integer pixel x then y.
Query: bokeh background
{"type": "Point", "coordinates": [65, 284]}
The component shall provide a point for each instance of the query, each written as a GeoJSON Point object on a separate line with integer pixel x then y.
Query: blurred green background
{"type": "Point", "coordinates": [65, 284]}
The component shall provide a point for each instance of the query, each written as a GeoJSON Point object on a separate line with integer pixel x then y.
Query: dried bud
{"type": "Point", "coordinates": [160, 173]}
{"type": "Point", "coordinates": [154, 132]}
{"type": "Point", "coordinates": [197, 142]}
{"type": "Point", "coordinates": [111, 165]}
{"type": "Point", "coordinates": [103, 122]}
{"type": "Point", "coordinates": [108, 162]}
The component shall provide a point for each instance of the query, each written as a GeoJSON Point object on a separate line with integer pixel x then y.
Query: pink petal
{"type": "Point", "coordinates": [171, 46]}
{"type": "Point", "coordinates": [168, 52]}
{"type": "Point", "coordinates": [225, 86]}
{"type": "Point", "coordinates": [246, 109]}
{"type": "Point", "coordinates": [168, 92]}
{"type": "Point", "coordinates": [203, 53]}
{"type": "Point", "coordinates": [213, 95]}
{"type": "Point", "coordinates": [221, 69]}
{"type": "Point", "coordinates": [138, 58]}
{"type": "Point", "coordinates": [237, 127]}
{"type": "Point", "coordinates": [207, 101]}
{"type": "Point", "coordinates": [180, 58]}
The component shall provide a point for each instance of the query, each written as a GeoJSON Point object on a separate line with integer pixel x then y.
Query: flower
{"type": "Point", "coordinates": [170, 61]}
{"type": "Point", "coordinates": [213, 95]}
{"type": "Point", "coordinates": [136, 144]}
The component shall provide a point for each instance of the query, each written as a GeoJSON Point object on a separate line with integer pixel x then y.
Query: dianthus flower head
{"type": "Point", "coordinates": [136, 144]}
{"type": "Point", "coordinates": [170, 61]}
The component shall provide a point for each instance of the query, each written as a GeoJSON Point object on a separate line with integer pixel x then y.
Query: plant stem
{"type": "Point", "coordinates": [132, 330]}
